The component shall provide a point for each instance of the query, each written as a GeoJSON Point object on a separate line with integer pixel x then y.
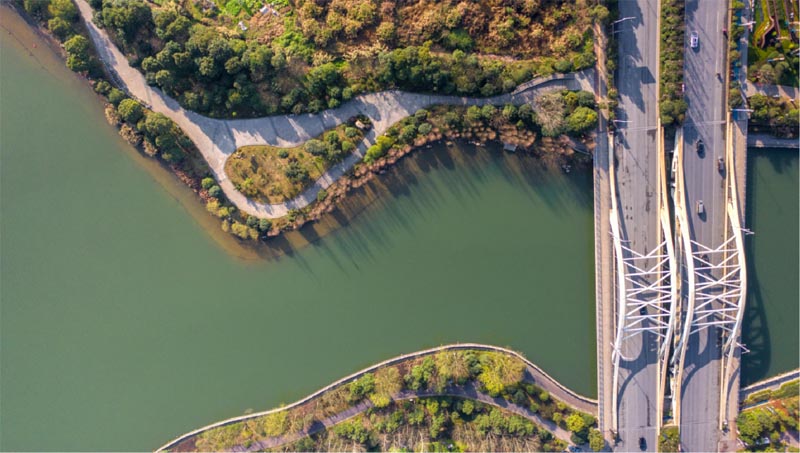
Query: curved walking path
{"type": "Point", "coordinates": [773, 383]}
{"type": "Point", "coordinates": [532, 374]}
{"type": "Point", "coordinates": [466, 391]}
{"type": "Point", "coordinates": [784, 91]}
{"type": "Point", "coordinates": [217, 139]}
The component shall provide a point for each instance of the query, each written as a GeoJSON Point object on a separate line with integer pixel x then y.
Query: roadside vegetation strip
{"type": "Point", "coordinates": [541, 379]}
{"type": "Point", "coordinates": [672, 106]}
{"type": "Point", "coordinates": [669, 439]}
{"type": "Point", "coordinates": [786, 389]}
{"type": "Point", "coordinates": [787, 376]}
{"type": "Point", "coordinates": [761, 426]}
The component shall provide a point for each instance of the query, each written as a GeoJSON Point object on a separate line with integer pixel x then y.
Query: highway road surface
{"type": "Point", "coordinates": [705, 120]}
{"type": "Point", "coordinates": [636, 175]}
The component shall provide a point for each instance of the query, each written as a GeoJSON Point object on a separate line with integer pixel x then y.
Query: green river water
{"type": "Point", "coordinates": [126, 321]}
{"type": "Point", "coordinates": [128, 318]}
{"type": "Point", "coordinates": [773, 303]}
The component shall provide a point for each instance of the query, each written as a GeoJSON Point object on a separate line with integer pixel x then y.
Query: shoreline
{"type": "Point", "coordinates": [359, 175]}
{"type": "Point", "coordinates": [560, 392]}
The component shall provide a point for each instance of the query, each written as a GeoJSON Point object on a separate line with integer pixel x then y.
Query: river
{"type": "Point", "coordinates": [773, 303]}
{"type": "Point", "coordinates": [127, 318]}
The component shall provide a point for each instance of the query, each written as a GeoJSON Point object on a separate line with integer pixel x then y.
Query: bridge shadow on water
{"type": "Point", "coordinates": [418, 187]}
{"type": "Point", "coordinates": [755, 328]}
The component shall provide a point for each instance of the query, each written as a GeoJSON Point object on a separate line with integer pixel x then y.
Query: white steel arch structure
{"type": "Point", "coordinates": [716, 279]}
{"type": "Point", "coordinates": [646, 290]}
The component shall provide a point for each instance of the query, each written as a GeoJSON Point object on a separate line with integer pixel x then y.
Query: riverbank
{"type": "Point", "coordinates": [136, 307]}
{"type": "Point", "coordinates": [240, 215]}
{"type": "Point", "coordinates": [501, 373]}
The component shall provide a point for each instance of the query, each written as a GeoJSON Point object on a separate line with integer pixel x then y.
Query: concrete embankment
{"type": "Point", "coordinates": [769, 141]}
{"type": "Point", "coordinates": [533, 373]}
{"type": "Point", "coordinates": [773, 383]}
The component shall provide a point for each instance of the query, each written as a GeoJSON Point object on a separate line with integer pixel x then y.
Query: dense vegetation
{"type": "Point", "coordinates": [274, 175]}
{"type": "Point", "coordinates": [670, 439]}
{"type": "Point", "coordinates": [672, 106]}
{"type": "Point", "coordinates": [761, 427]}
{"type": "Point", "coordinates": [431, 424]}
{"type": "Point", "coordinates": [390, 423]}
{"type": "Point", "coordinates": [772, 55]}
{"type": "Point", "coordinates": [551, 115]}
{"type": "Point", "coordinates": [61, 17]}
{"type": "Point", "coordinates": [777, 116]}
{"type": "Point", "coordinates": [304, 63]}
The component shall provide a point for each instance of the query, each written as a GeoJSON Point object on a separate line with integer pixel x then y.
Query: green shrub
{"type": "Point", "coordinates": [130, 111]}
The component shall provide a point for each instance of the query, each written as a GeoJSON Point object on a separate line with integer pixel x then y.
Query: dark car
{"type": "Point", "coordinates": [700, 146]}
{"type": "Point", "coordinates": [642, 444]}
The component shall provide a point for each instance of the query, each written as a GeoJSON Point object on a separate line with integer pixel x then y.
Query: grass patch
{"type": "Point", "coordinates": [670, 439]}
{"type": "Point", "coordinates": [273, 175]}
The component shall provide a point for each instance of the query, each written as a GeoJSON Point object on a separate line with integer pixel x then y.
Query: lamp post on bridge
{"type": "Point", "coordinates": [618, 22]}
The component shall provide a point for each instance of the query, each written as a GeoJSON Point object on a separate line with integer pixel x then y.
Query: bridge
{"type": "Point", "coordinates": [678, 298]}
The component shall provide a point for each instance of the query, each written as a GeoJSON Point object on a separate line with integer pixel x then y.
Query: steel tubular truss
{"type": "Point", "coordinates": [648, 293]}
{"type": "Point", "coordinates": [718, 286]}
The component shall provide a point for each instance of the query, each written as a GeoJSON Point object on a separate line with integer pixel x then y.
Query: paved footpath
{"type": "Point", "coordinates": [467, 391]}
{"type": "Point", "coordinates": [532, 374]}
{"type": "Point", "coordinates": [773, 383]}
{"type": "Point", "coordinates": [217, 139]}
{"type": "Point", "coordinates": [784, 91]}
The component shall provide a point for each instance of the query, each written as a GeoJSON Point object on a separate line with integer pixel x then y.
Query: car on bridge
{"type": "Point", "coordinates": [701, 208]}
{"type": "Point", "coordinates": [700, 147]}
{"type": "Point", "coordinates": [694, 40]}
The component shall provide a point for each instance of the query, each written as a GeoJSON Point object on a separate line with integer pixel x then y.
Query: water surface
{"type": "Point", "coordinates": [125, 322]}
{"type": "Point", "coordinates": [770, 327]}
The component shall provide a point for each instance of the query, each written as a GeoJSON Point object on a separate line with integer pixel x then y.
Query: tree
{"type": "Point", "coordinates": [126, 17]}
{"type": "Point", "coordinates": [59, 27]}
{"type": "Point", "coordinates": [157, 124]}
{"type": "Point", "coordinates": [500, 371]}
{"type": "Point", "coordinates": [63, 9]}
{"type": "Point", "coordinates": [115, 96]}
{"type": "Point", "coordinates": [130, 111]}
{"type": "Point", "coordinates": [749, 426]}
{"type": "Point", "coordinates": [315, 147]}
{"type": "Point", "coordinates": [264, 225]}
{"type": "Point", "coordinates": [581, 120]}
{"type": "Point", "coordinates": [362, 387]}
{"type": "Point", "coordinates": [214, 191]}
{"type": "Point", "coordinates": [473, 114]}
{"type": "Point", "coordinates": [575, 423]}
{"type": "Point", "coordinates": [207, 182]}
{"type": "Point", "coordinates": [766, 73]}
{"type": "Point", "coordinates": [408, 133]}
{"type": "Point", "coordinates": [596, 441]}
{"type": "Point", "coordinates": [77, 49]}
{"type": "Point", "coordinates": [296, 172]}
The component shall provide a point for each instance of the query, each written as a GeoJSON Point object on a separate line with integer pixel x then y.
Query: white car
{"type": "Point", "coordinates": [694, 40]}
